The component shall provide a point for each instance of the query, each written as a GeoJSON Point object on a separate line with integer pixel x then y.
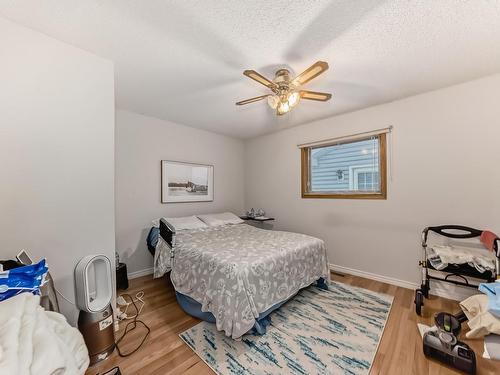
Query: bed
{"type": "Point", "coordinates": [235, 275]}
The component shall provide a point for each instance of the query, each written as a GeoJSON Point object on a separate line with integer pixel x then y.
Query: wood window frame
{"type": "Point", "coordinates": [306, 173]}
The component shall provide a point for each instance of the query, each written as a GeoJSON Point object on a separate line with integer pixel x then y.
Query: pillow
{"type": "Point", "coordinates": [224, 218]}
{"type": "Point", "coordinates": [186, 222]}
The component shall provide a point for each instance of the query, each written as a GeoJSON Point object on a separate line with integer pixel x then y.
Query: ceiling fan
{"type": "Point", "coordinates": [287, 92]}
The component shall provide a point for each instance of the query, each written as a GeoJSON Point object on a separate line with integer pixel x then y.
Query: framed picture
{"type": "Point", "coordinates": [186, 182]}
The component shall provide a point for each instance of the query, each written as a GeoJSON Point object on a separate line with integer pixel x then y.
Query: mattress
{"type": "Point", "coordinates": [237, 272]}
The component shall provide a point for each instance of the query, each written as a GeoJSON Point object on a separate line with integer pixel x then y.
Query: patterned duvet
{"type": "Point", "coordinates": [238, 271]}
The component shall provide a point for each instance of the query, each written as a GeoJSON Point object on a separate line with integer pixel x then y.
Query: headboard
{"type": "Point", "coordinates": [167, 232]}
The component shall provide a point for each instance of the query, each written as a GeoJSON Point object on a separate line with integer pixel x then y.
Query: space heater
{"type": "Point", "coordinates": [93, 286]}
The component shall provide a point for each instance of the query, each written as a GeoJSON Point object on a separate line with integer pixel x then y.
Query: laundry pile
{"type": "Point", "coordinates": [483, 313]}
{"type": "Point", "coordinates": [441, 256]}
{"type": "Point", "coordinates": [35, 341]}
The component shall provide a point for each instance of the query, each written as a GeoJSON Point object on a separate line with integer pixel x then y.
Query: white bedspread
{"type": "Point", "coordinates": [35, 341]}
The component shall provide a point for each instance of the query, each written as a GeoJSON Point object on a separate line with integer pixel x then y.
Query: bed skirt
{"type": "Point", "coordinates": [193, 308]}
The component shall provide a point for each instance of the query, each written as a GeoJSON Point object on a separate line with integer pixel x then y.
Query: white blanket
{"type": "Point", "coordinates": [35, 341]}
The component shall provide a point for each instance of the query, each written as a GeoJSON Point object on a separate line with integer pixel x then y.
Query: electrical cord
{"type": "Point", "coordinates": [133, 323]}
{"type": "Point", "coordinates": [62, 295]}
{"type": "Point", "coordinates": [120, 301]}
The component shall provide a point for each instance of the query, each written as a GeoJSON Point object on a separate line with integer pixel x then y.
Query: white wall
{"type": "Point", "coordinates": [56, 152]}
{"type": "Point", "coordinates": [141, 143]}
{"type": "Point", "coordinates": [446, 169]}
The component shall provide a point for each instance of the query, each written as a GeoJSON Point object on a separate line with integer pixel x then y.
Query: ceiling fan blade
{"type": "Point", "coordinates": [312, 72]}
{"type": "Point", "coordinates": [260, 78]}
{"type": "Point", "coordinates": [312, 95]}
{"type": "Point", "coordinates": [251, 100]}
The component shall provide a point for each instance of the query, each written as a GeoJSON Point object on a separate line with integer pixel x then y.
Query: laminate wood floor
{"type": "Point", "coordinates": [399, 353]}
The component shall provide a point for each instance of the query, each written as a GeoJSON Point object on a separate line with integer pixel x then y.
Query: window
{"type": "Point", "coordinates": [352, 168]}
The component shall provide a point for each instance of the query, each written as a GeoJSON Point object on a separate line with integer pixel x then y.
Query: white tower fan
{"type": "Point", "coordinates": [93, 286]}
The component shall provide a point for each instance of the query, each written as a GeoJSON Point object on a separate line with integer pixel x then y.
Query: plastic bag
{"type": "Point", "coordinates": [22, 279]}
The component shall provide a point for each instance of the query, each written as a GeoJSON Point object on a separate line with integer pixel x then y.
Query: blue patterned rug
{"type": "Point", "coordinates": [334, 331]}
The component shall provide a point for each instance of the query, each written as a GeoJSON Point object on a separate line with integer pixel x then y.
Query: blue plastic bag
{"type": "Point", "coordinates": [22, 279]}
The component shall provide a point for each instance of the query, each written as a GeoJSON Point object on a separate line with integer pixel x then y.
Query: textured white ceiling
{"type": "Point", "coordinates": [183, 60]}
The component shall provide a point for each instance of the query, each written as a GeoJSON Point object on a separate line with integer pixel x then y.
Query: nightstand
{"type": "Point", "coordinates": [258, 218]}
{"type": "Point", "coordinates": [262, 222]}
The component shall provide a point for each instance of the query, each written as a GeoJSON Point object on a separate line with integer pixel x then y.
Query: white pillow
{"type": "Point", "coordinates": [186, 222]}
{"type": "Point", "coordinates": [224, 218]}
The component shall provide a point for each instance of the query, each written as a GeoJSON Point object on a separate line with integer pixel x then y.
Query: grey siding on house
{"type": "Point", "coordinates": [330, 166]}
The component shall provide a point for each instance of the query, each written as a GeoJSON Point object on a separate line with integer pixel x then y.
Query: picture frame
{"type": "Point", "coordinates": [186, 182]}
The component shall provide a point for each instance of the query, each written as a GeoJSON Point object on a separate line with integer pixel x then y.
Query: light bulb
{"type": "Point", "coordinates": [273, 101]}
{"type": "Point", "coordinates": [293, 99]}
{"type": "Point", "coordinates": [284, 107]}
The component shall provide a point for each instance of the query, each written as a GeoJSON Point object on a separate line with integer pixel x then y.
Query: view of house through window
{"type": "Point", "coordinates": [348, 169]}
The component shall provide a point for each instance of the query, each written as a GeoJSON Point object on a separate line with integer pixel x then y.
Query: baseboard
{"type": "Point", "coordinates": [373, 276]}
{"type": "Point", "coordinates": [140, 273]}
{"type": "Point", "coordinates": [439, 289]}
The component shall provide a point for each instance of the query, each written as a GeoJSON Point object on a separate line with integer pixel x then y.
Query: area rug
{"type": "Point", "coordinates": [335, 331]}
